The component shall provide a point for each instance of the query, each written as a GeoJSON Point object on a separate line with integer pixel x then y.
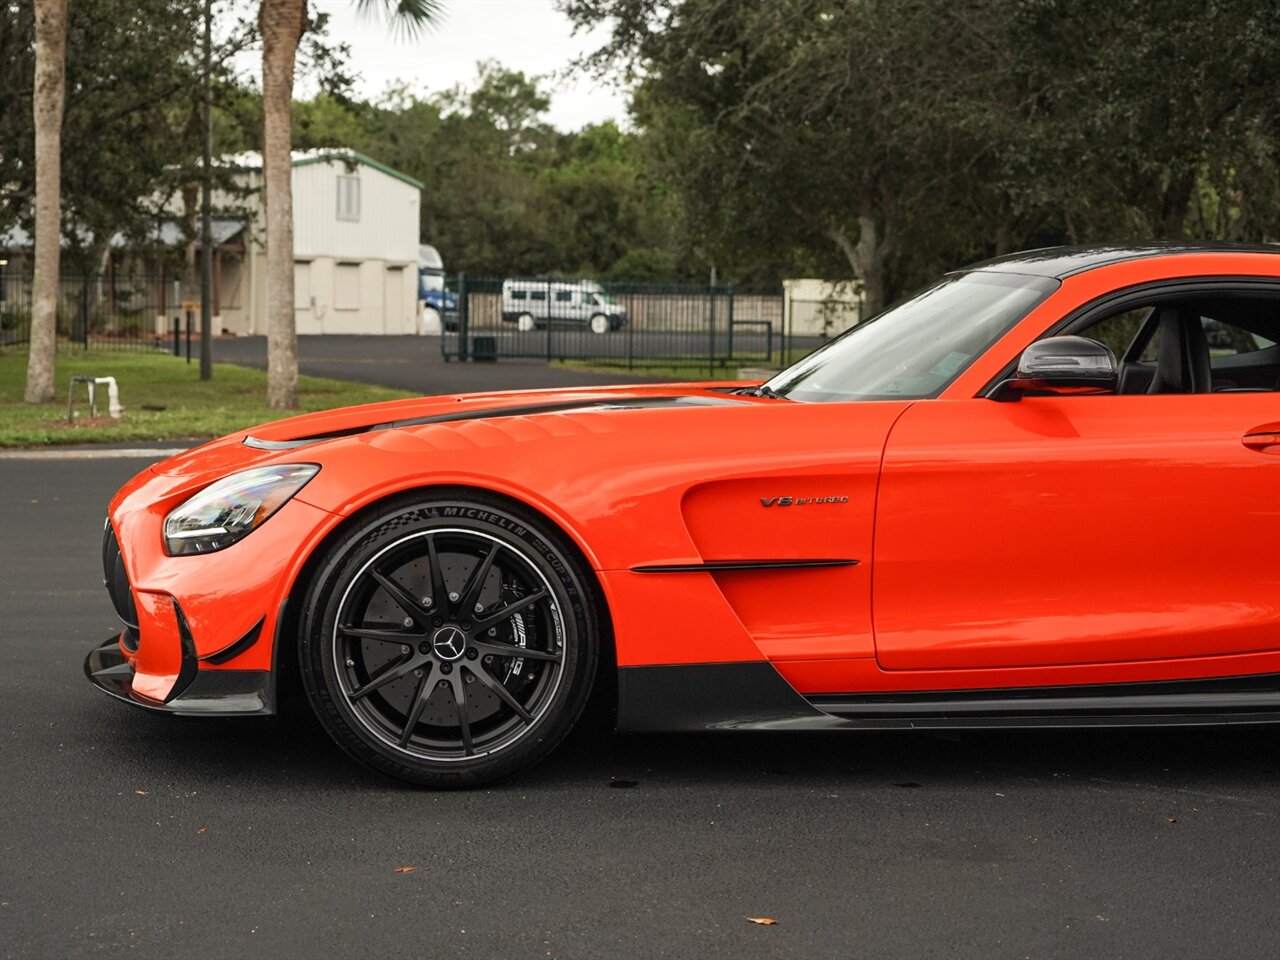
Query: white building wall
{"type": "Point", "coordinates": [387, 228]}
{"type": "Point", "coordinates": [383, 240]}
{"type": "Point", "coordinates": [820, 307]}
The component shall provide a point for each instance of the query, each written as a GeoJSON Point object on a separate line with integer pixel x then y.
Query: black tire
{"type": "Point", "coordinates": [427, 691]}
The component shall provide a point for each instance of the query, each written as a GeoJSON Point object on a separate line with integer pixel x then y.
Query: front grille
{"type": "Point", "coordinates": [117, 584]}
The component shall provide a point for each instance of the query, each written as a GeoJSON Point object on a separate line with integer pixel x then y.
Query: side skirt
{"type": "Point", "coordinates": [753, 696]}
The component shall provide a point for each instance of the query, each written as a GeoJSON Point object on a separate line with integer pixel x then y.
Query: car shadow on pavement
{"type": "Point", "coordinates": [293, 751]}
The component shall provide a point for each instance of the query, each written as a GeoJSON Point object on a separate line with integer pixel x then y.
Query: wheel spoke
{"type": "Point", "coordinates": [398, 669]}
{"type": "Point", "coordinates": [510, 610]}
{"type": "Point", "coordinates": [406, 600]}
{"type": "Point", "coordinates": [439, 592]}
{"type": "Point", "coordinates": [511, 650]}
{"type": "Point", "coordinates": [464, 722]}
{"type": "Point", "coordinates": [501, 691]}
{"type": "Point", "coordinates": [471, 592]}
{"type": "Point", "coordinates": [370, 633]}
{"type": "Point", "coordinates": [437, 606]}
{"type": "Point", "coordinates": [426, 687]}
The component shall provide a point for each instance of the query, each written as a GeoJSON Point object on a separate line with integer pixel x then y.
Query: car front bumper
{"type": "Point", "coordinates": [195, 691]}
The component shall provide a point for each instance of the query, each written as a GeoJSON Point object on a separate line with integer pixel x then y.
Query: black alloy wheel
{"type": "Point", "coordinates": [449, 641]}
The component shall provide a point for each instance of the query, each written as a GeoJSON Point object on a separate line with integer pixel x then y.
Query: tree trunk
{"type": "Point", "coordinates": [282, 22]}
{"type": "Point", "coordinates": [1175, 201]}
{"type": "Point", "coordinates": [1004, 229]}
{"type": "Point", "coordinates": [867, 258]}
{"type": "Point", "coordinates": [47, 103]}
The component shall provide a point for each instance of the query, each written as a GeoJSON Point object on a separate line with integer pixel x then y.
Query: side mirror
{"type": "Point", "coordinates": [1063, 366]}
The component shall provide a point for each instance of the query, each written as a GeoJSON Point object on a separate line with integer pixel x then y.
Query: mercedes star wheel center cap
{"type": "Point", "coordinates": [449, 643]}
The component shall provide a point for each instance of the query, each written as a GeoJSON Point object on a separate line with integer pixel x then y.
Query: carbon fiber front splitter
{"type": "Point", "coordinates": [209, 692]}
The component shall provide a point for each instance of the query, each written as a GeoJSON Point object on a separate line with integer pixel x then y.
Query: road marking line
{"type": "Point", "coordinates": [127, 454]}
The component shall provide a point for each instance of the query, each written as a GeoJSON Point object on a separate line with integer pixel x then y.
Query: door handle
{"type": "Point", "coordinates": [1264, 438]}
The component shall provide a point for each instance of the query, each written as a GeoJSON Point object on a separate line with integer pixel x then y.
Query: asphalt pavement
{"type": "Point", "coordinates": [413, 363]}
{"type": "Point", "coordinates": [154, 836]}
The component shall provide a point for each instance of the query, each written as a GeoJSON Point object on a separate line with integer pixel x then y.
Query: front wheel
{"type": "Point", "coordinates": [450, 641]}
{"type": "Point", "coordinates": [525, 322]}
{"type": "Point", "coordinates": [600, 323]}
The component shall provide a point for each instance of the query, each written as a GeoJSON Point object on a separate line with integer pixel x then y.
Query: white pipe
{"type": "Point", "coordinates": [113, 395]}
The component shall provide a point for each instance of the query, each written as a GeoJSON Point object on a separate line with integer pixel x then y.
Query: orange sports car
{"type": "Point", "coordinates": [1045, 491]}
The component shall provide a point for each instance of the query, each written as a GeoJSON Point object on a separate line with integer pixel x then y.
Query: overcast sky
{"type": "Point", "coordinates": [527, 35]}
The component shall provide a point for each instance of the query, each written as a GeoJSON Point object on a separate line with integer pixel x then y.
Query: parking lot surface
{"type": "Point", "coordinates": [154, 836]}
{"type": "Point", "coordinates": [414, 363]}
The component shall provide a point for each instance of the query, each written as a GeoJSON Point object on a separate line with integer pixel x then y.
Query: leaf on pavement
{"type": "Point", "coordinates": [405, 869]}
{"type": "Point", "coordinates": [141, 793]}
{"type": "Point", "coordinates": [763, 921]}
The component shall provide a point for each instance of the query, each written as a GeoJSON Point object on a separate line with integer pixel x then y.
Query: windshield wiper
{"type": "Point", "coordinates": [766, 391]}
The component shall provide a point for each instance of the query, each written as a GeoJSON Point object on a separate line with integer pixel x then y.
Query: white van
{"type": "Point", "coordinates": [531, 304]}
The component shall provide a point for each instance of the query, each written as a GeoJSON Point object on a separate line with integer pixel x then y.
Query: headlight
{"type": "Point", "coordinates": [232, 508]}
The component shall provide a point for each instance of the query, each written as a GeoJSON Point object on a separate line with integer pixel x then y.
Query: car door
{"type": "Point", "coordinates": [1063, 530]}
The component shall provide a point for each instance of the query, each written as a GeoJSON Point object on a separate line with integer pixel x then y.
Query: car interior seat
{"type": "Point", "coordinates": [1182, 353]}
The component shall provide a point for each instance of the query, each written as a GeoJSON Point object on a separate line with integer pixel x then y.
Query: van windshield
{"type": "Point", "coordinates": [917, 347]}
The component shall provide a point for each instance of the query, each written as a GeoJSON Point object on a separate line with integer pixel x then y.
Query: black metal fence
{"type": "Point", "coordinates": [105, 313]}
{"type": "Point", "coordinates": [631, 325]}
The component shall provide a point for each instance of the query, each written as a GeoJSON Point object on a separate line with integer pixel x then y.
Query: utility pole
{"type": "Point", "coordinates": [206, 206]}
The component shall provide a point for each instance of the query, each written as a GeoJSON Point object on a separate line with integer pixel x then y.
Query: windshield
{"type": "Point", "coordinates": [917, 347]}
{"type": "Point", "coordinates": [430, 280]}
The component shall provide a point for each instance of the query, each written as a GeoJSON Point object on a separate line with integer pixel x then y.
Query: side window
{"type": "Point", "coordinates": [538, 295]}
{"type": "Point", "coordinates": [348, 198]}
{"type": "Point", "coordinates": [1118, 330]}
{"type": "Point", "coordinates": [1237, 332]}
{"type": "Point", "coordinates": [519, 294]}
{"type": "Point", "coordinates": [563, 296]}
{"type": "Point", "coordinates": [1242, 341]}
{"type": "Point", "coordinates": [1227, 340]}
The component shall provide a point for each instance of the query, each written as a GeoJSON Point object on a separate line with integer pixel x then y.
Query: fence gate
{"type": "Point", "coordinates": [631, 325]}
{"type": "Point", "coordinates": [115, 311]}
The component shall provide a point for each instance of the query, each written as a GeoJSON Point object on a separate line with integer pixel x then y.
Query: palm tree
{"type": "Point", "coordinates": [283, 22]}
{"type": "Point", "coordinates": [47, 103]}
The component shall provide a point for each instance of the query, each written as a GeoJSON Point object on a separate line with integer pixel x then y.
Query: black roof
{"type": "Point", "coordinates": [1059, 262]}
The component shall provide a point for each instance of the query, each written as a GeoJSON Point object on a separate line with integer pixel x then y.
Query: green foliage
{"type": "Point", "coordinates": [14, 316]}
{"type": "Point", "coordinates": [505, 193]}
{"type": "Point", "coordinates": [879, 139]}
{"type": "Point", "coordinates": [889, 139]}
{"type": "Point", "coordinates": [129, 76]}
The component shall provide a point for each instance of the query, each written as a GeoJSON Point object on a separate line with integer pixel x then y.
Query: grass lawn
{"type": "Point", "coordinates": [190, 408]}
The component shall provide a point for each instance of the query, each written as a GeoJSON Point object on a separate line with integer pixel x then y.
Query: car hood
{"type": "Point", "coordinates": [267, 441]}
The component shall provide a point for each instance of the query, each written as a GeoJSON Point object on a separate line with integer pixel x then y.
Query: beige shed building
{"type": "Point", "coordinates": [355, 248]}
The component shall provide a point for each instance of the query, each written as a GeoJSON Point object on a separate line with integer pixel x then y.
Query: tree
{"type": "Point", "coordinates": [127, 137]}
{"type": "Point", "coordinates": [47, 105]}
{"type": "Point", "coordinates": [904, 136]}
{"type": "Point", "coordinates": [1118, 152]}
{"type": "Point", "coordinates": [283, 23]}
{"type": "Point", "coordinates": [803, 124]}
